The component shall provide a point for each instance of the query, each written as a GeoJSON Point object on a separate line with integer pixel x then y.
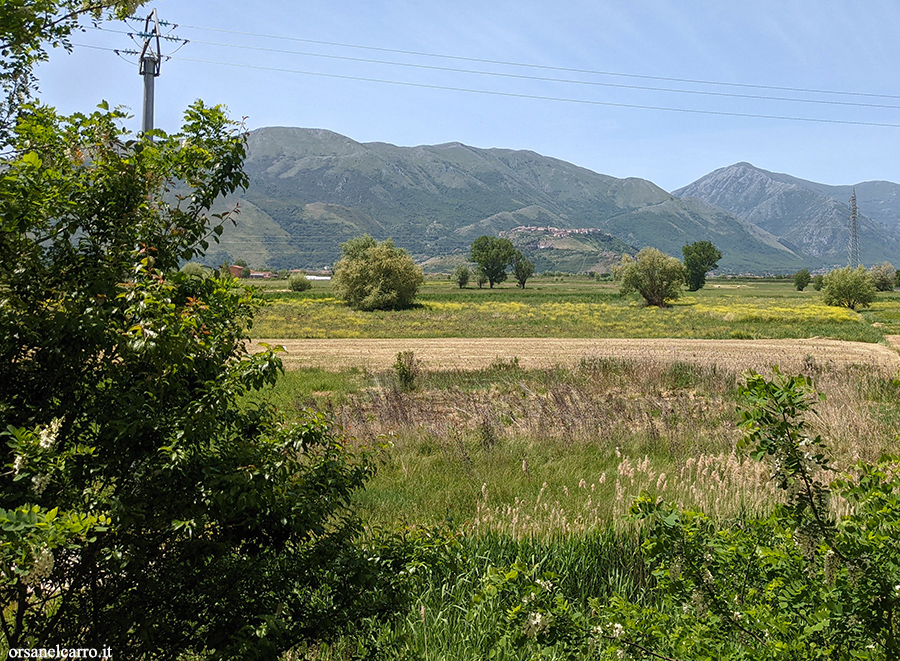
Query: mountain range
{"type": "Point", "coordinates": [312, 189]}
{"type": "Point", "coordinates": [808, 217]}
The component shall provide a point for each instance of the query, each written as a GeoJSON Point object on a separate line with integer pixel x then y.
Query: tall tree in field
{"type": "Point", "coordinates": [494, 256]}
{"type": "Point", "coordinates": [522, 269]}
{"type": "Point", "coordinates": [700, 257]}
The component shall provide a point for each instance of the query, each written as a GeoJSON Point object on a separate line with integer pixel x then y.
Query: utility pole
{"type": "Point", "coordinates": [854, 260]}
{"type": "Point", "coordinates": [151, 59]}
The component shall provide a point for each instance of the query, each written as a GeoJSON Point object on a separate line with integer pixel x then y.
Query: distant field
{"type": "Point", "coordinates": [479, 353]}
{"type": "Point", "coordinates": [579, 307]}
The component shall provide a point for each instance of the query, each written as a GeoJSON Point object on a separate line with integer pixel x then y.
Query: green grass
{"type": "Point", "coordinates": [309, 387]}
{"type": "Point", "coordinates": [581, 307]}
{"type": "Point", "coordinates": [540, 465]}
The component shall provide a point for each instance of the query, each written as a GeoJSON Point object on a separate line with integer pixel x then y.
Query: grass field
{"type": "Point", "coordinates": [541, 465]}
{"type": "Point", "coordinates": [535, 417]}
{"type": "Point", "coordinates": [580, 307]}
{"type": "Point", "coordinates": [490, 421]}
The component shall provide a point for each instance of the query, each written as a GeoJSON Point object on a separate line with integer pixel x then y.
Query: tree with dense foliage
{"type": "Point", "coordinates": [653, 274]}
{"type": "Point", "coordinates": [494, 256]}
{"type": "Point", "coordinates": [522, 269]}
{"type": "Point", "coordinates": [461, 275]}
{"type": "Point", "coordinates": [883, 275]}
{"type": "Point", "coordinates": [700, 257]}
{"type": "Point", "coordinates": [818, 281]}
{"type": "Point", "coordinates": [376, 276]}
{"type": "Point", "coordinates": [849, 287]}
{"type": "Point", "coordinates": [145, 505]}
{"type": "Point", "coordinates": [802, 278]}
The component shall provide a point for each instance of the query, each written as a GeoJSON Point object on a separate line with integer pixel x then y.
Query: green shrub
{"type": "Point", "coordinates": [376, 276]}
{"type": "Point", "coordinates": [802, 278]}
{"type": "Point", "coordinates": [849, 287]}
{"type": "Point", "coordinates": [883, 275]}
{"type": "Point", "coordinates": [461, 275]}
{"type": "Point", "coordinates": [653, 274]}
{"type": "Point", "coordinates": [407, 369]}
{"type": "Point", "coordinates": [298, 282]}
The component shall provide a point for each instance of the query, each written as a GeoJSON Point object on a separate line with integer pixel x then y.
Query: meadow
{"type": "Point", "coordinates": [577, 306]}
{"type": "Point", "coordinates": [541, 464]}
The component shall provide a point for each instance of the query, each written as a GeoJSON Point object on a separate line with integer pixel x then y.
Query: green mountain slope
{"type": "Point", "coordinates": [321, 188]}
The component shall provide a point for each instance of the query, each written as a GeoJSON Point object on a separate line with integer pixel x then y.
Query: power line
{"type": "Point", "coordinates": [536, 97]}
{"type": "Point", "coordinates": [541, 66]}
{"type": "Point", "coordinates": [757, 97]}
{"type": "Point", "coordinates": [428, 67]}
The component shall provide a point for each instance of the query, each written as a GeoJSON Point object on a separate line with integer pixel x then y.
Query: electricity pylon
{"type": "Point", "coordinates": [854, 260]}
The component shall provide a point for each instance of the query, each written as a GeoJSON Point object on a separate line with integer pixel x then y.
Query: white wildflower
{"type": "Point", "coordinates": [536, 623]}
{"type": "Point", "coordinates": [546, 585]}
{"type": "Point", "coordinates": [18, 463]}
{"type": "Point", "coordinates": [617, 630]}
{"type": "Point", "coordinates": [40, 482]}
{"type": "Point", "coordinates": [49, 434]}
{"type": "Point", "coordinates": [43, 565]}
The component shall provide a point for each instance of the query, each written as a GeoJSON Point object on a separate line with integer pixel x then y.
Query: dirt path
{"type": "Point", "coordinates": [455, 353]}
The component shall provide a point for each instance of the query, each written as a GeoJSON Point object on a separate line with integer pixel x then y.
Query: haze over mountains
{"type": "Point", "coordinates": [313, 189]}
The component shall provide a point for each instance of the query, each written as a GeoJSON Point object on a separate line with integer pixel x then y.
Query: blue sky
{"type": "Point", "coordinates": [827, 45]}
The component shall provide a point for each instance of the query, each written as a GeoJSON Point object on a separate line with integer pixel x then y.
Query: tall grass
{"type": "Point", "coordinates": [621, 425]}
{"type": "Point", "coordinates": [541, 466]}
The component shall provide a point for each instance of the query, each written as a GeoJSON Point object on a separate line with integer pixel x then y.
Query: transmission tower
{"type": "Point", "coordinates": [854, 232]}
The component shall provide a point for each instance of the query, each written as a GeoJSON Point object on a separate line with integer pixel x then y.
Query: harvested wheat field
{"type": "Point", "coordinates": [453, 353]}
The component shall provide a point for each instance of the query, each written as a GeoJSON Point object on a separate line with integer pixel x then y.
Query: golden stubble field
{"type": "Point", "coordinates": [477, 353]}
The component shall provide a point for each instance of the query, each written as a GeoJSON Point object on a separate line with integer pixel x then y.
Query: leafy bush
{"type": "Point", "coordinates": [522, 269]}
{"type": "Point", "coordinates": [653, 274]}
{"type": "Point", "coordinates": [818, 282]}
{"type": "Point", "coordinates": [883, 275]}
{"type": "Point", "coordinates": [802, 278]}
{"type": "Point", "coordinates": [798, 584]}
{"type": "Point", "coordinates": [849, 287]}
{"type": "Point", "coordinates": [298, 282]}
{"type": "Point", "coordinates": [407, 369]}
{"type": "Point", "coordinates": [376, 276]}
{"type": "Point", "coordinates": [481, 278]}
{"type": "Point", "coordinates": [461, 275]}
{"type": "Point", "coordinates": [145, 505]}
{"type": "Point", "coordinates": [700, 257]}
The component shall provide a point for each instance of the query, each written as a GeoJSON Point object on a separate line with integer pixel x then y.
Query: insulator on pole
{"type": "Point", "coordinates": [149, 67]}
